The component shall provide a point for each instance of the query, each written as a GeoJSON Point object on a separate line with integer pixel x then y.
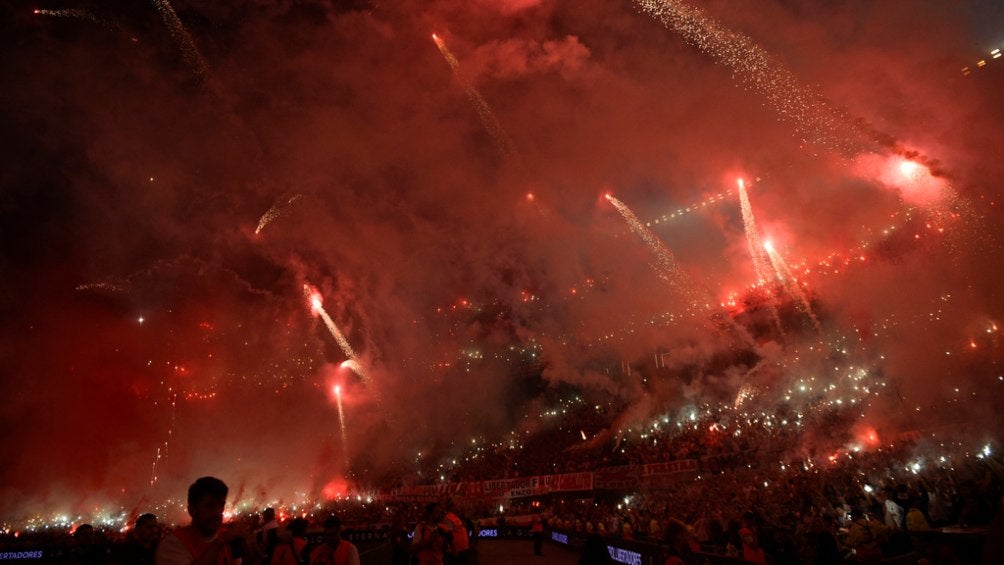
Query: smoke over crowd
{"type": "Point", "coordinates": [162, 210]}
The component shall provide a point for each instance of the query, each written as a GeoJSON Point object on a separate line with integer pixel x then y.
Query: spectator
{"type": "Point", "coordinates": [537, 530]}
{"type": "Point", "coordinates": [204, 541]}
{"type": "Point", "coordinates": [399, 543]}
{"type": "Point", "coordinates": [266, 536]}
{"type": "Point", "coordinates": [893, 511]}
{"type": "Point", "coordinates": [334, 550]}
{"type": "Point", "coordinates": [290, 544]}
{"type": "Point", "coordinates": [460, 543]}
{"type": "Point", "coordinates": [140, 548]}
{"type": "Point", "coordinates": [827, 550]}
{"type": "Point", "coordinates": [87, 547]}
{"type": "Point", "coordinates": [431, 541]}
{"type": "Point", "coordinates": [750, 535]}
{"type": "Point", "coordinates": [595, 552]}
{"type": "Point", "coordinates": [677, 536]}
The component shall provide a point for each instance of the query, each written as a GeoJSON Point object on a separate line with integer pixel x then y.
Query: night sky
{"type": "Point", "coordinates": [170, 185]}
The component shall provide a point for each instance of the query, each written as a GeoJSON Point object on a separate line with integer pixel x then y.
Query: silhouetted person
{"type": "Point", "coordinates": [87, 548]}
{"type": "Point", "coordinates": [140, 548]}
{"type": "Point", "coordinates": [430, 540]}
{"type": "Point", "coordinates": [594, 552]}
{"type": "Point", "coordinates": [537, 529]}
{"type": "Point", "coordinates": [334, 550]}
{"type": "Point", "coordinates": [677, 537]}
{"type": "Point", "coordinates": [290, 544]}
{"type": "Point", "coordinates": [266, 536]}
{"type": "Point", "coordinates": [459, 542]}
{"type": "Point", "coordinates": [400, 545]}
{"type": "Point", "coordinates": [827, 548]}
{"type": "Point", "coordinates": [205, 541]}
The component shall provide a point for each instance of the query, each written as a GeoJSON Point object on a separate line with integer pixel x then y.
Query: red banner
{"type": "Point", "coordinates": [668, 473]}
{"type": "Point", "coordinates": [616, 478]}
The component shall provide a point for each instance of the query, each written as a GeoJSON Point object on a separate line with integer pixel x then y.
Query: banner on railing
{"type": "Point", "coordinates": [538, 485]}
{"type": "Point", "coordinates": [425, 493]}
{"type": "Point", "coordinates": [667, 473]}
{"type": "Point", "coordinates": [623, 477]}
{"type": "Point", "coordinates": [650, 475]}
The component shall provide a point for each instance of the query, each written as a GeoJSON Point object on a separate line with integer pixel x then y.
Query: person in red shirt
{"type": "Point", "coordinates": [291, 543]}
{"type": "Point", "coordinates": [335, 550]}
{"type": "Point", "coordinates": [460, 554]}
{"type": "Point", "coordinates": [752, 551]}
{"type": "Point", "coordinates": [677, 537]}
{"type": "Point", "coordinates": [431, 540]}
{"type": "Point", "coordinates": [537, 529]}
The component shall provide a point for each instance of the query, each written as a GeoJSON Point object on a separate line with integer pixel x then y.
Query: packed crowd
{"type": "Point", "coordinates": [584, 441]}
{"type": "Point", "coordinates": [867, 509]}
{"type": "Point", "coordinates": [784, 488]}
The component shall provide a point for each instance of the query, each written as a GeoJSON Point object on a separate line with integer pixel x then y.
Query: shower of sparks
{"type": "Point", "coordinates": [77, 14]}
{"type": "Point", "coordinates": [275, 212]}
{"type": "Point", "coordinates": [680, 212]}
{"type": "Point", "coordinates": [341, 419]}
{"type": "Point", "coordinates": [162, 451]}
{"type": "Point", "coordinates": [317, 307]}
{"type": "Point", "coordinates": [757, 70]}
{"type": "Point", "coordinates": [761, 263]}
{"type": "Point", "coordinates": [189, 52]}
{"type": "Point", "coordinates": [488, 119]}
{"type": "Point", "coordinates": [790, 283]}
{"type": "Point", "coordinates": [102, 286]}
{"type": "Point", "coordinates": [665, 263]}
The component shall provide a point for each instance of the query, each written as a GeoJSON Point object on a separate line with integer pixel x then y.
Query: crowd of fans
{"type": "Point", "coordinates": [583, 438]}
{"type": "Point", "coordinates": [761, 494]}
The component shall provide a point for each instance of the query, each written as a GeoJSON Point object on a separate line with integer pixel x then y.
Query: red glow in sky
{"type": "Point", "coordinates": [335, 488]}
{"type": "Point", "coordinates": [110, 210]}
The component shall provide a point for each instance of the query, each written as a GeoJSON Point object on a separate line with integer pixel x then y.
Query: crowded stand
{"type": "Point", "coordinates": [712, 486]}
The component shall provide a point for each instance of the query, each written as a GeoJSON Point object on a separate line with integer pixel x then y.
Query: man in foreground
{"type": "Point", "coordinates": [205, 541]}
{"type": "Point", "coordinates": [335, 550]}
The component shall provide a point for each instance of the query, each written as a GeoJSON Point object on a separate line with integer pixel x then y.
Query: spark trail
{"type": "Point", "coordinates": [78, 14]}
{"type": "Point", "coordinates": [352, 362]}
{"type": "Point", "coordinates": [103, 286]}
{"type": "Point", "coordinates": [341, 419]}
{"type": "Point", "coordinates": [162, 451]}
{"type": "Point", "coordinates": [276, 212]}
{"type": "Point", "coordinates": [790, 283]}
{"type": "Point", "coordinates": [761, 263]}
{"type": "Point", "coordinates": [488, 119]}
{"type": "Point", "coordinates": [318, 307]}
{"type": "Point", "coordinates": [812, 116]}
{"type": "Point", "coordinates": [665, 263]}
{"type": "Point", "coordinates": [189, 52]}
{"type": "Point", "coordinates": [666, 268]}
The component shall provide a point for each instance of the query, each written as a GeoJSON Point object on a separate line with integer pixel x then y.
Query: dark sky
{"type": "Point", "coordinates": [142, 311]}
